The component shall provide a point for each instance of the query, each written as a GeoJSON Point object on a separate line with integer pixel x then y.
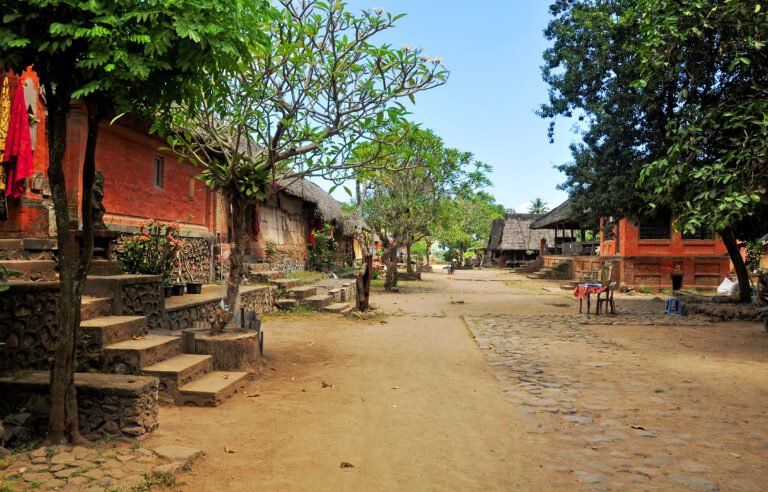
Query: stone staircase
{"type": "Point", "coordinates": [557, 271]}
{"type": "Point", "coordinates": [122, 345]}
{"type": "Point", "coordinates": [290, 293]}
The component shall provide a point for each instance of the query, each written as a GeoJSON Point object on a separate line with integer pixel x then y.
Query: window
{"type": "Point", "coordinates": [159, 168]}
{"type": "Point", "coordinates": [702, 234]}
{"type": "Point", "coordinates": [656, 227]}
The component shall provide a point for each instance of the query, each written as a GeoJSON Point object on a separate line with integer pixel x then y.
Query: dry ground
{"type": "Point", "coordinates": [508, 390]}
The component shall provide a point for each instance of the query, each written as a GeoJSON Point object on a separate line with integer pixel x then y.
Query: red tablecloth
{"type": "Point", "coordinates": [583, 292]}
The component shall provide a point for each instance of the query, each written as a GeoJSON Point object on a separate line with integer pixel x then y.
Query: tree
{"type": "Point", "coordinates": [714, 163]}
{"type": "Point", "coordinates": [106, 55]}
{"type": "Point", "coordinates": [297, 107]}
{"type": "Point", "coordinates": [401, 205]}
{"type": "Point", "coordinates": [590, 69]}
{"type": "Point", "coordinates": [538, 207]}
{"type": "Point", "coordinates": [465, 222]}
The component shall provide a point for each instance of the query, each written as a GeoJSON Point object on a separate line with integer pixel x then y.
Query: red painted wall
{"type": "Point", "coordinates": [654, 262]}
{"type": "Point", "coordinates": [125, 155]}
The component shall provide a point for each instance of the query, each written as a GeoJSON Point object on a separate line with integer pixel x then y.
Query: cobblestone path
{"type": "Point", "coordinates": [613, 417]}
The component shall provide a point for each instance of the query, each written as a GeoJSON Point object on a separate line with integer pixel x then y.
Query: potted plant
{"type": "Point", "coordinates": [194, 286]}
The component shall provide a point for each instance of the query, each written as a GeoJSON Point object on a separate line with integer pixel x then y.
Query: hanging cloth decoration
{"type": "Point", "coordinates": [18, 146]}
{"type": "Point", "coordinates": [5, 117]}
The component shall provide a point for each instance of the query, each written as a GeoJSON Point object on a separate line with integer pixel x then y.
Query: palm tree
{"type": "Point", "coordinates": [538, 207]}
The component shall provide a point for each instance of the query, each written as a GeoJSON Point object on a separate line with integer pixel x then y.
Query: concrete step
{"type": "Point", "coordinates": [264, 277]}
{"type": "Point", "coordinates": [177, 371]}
{"type": "Point", "coordinates": [339, 307]}
{"type": "Point", "coordinates": [108, 330]}
{"type": "Point", "coordinates": [105, 268]}
{"type": "Point", "coordinates": [302, 292]}
{"type": "Point", "coordinates": [130, 356]}
{"type": "Point", "coordinates": [95, 307]}
{"type": "Point", "coordinates": [317, 302]}
{"type": "Point", "coordinates": [285, 283]}
{"type": "Point", "coordinates": [34, 270]}
{"type": "Point", "coordinates": [212, 389]}
{"type": "Point", "coordinates": [285, 304]}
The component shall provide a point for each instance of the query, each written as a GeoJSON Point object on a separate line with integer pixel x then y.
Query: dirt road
{"type": "Point", "coordinates": [485, 381]}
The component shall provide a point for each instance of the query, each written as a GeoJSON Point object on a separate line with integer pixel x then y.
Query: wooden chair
{"type": "Point", "coordinates": [608, 299]}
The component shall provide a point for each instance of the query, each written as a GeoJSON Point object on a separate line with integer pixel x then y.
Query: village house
{"type": "Point", "coordinates": [513, 243]}
{"type": "Point", "coordinates": [142, 181]}
{"type": "Point", "coordinates": [647, 253]}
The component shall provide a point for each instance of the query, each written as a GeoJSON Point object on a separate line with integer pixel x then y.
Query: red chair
{"type": "Point", "coordinates": [608, 299]}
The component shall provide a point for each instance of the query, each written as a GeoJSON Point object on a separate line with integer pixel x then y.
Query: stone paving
{"type": "Point", "coordinates": [99, 468]}
{"type": "Point", "coordinates": [606, 420]}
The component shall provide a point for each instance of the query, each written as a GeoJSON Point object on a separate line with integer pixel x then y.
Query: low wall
{"type": "Point", "coordinates": [108, 404]}
{"type": "Point", "coordinates": [28, 325]}
{"type": "Point", "coordinates": [132, 295]}
{"type": "Point", "coordinates": [259, 299]}
{"type": "Point", "coordinates": [703, 272]}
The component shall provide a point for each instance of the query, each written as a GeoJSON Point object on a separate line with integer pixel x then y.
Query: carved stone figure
{"type": "Point", "coordinates": [97, 206]}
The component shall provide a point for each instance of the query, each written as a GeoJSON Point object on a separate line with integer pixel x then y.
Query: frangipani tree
{"type": "Point", "coordinates": [403, 206]}
{"type": "Point", "coordinates": [297, 107]}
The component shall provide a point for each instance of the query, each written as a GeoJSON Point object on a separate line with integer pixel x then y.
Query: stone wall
{"type": "Point", "coordinates": [132, 295]}
{"type": "Point", "coordinates": [28, 325]}
{"type": "Point", "coordinates": [259, 299]}
{"type": "Point", "coordinates": [108, 404]}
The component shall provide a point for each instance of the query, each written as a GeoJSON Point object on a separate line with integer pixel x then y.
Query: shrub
{"type": "Point", "coordinates": [152, 251]}
{"type": "Point", "coordinates": [321, 252]}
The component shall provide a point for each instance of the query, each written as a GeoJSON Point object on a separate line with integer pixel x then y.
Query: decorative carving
{"type": "Point", "coordinates": [97, 204]}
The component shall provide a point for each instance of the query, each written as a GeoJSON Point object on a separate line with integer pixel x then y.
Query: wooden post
{"type": "Point", "coordinates": [188, 341]}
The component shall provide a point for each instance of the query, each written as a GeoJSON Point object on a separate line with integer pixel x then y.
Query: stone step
{"type": "Point", "coordinates": [212, 389]}
{"type": "Point", "coordinates": [339, 307]}
{"type": "Point", "coordinates": [108, 330]}
{"type": "Point", "coordinates": [336, 294]}
{"type": "Point", "coordinates": [569, 285]}
{"type": "Point", "coordinates": [34, 270]}
{"type": "Point", "coordinates": [317, 302]}
{"type": "Point", "coordinates": [130, 356]}
{"type": "Point", "coordinates": [105, 268]}
{"type": "Point", "coordinates": [285, 283]}
{"type": "Point", "coordinates": [95, 307]}
{"type": "Point", "coordinates": [285, 304]}
{"type": "Point", "coordinates": [302, 292]}
{"type": "Point", "coordinates": [177, 371]}
{"type": "Point", "coordinates": [264, 277]}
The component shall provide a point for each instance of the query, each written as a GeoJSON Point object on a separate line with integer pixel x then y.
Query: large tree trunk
{"type": "Point", "coordinates": [224, 316]}
{"type": "Point", "coordinates": [390, 260]}
{"type": "Point", "coordinates": [73, 268]}
{"type": "Point", "coordinates": [745, 290]}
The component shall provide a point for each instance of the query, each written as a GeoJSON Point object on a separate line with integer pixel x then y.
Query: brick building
{"type": "Point", "coordinates": [645, 253]}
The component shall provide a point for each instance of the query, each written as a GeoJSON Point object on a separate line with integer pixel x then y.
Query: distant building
{"type": "Point", "coordinates": [513, 242]}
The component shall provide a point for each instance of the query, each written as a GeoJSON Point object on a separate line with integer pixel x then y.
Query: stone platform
{"type": "Point", "coordinates": [108, 404]}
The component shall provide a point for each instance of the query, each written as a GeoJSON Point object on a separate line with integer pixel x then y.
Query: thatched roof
{"type": "Point", "coordinates": [353, 223]}
{"type": "Point", "coordinates": [326, 207]}
{"type": "Point", "coordinates": [514, 232]}
{"type": "Point", "coordinates": [563, 217]}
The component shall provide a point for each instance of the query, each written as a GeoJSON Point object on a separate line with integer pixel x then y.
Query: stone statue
{"type": "Point", "coordinates": [97, 205]}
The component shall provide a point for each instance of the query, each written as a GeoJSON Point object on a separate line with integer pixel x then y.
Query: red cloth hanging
{"type": "Point", "coordinates": [18, 146]}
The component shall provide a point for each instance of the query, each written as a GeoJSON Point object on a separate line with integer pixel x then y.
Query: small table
{"type": "Point", "coordinates": [585, 291]}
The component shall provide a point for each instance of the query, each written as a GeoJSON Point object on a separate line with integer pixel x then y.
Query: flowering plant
{"type": "Point", "coordinates": [153, 250]}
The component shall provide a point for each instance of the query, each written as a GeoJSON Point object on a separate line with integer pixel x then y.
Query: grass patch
{"type": "Point", "coordinates": [155, 479]}
{"type": "Point", "coordinates": [296, 311]}
{"type": "Point", "coordinates": [9, 486]}
{"type": "Point", "coordinates": [307, 277]}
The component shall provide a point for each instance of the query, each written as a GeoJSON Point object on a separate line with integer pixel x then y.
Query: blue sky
{"type": "Point", "coordinates": [493, 50]}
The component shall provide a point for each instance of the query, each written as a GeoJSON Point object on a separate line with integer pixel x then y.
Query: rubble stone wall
{"type": "Point", "coordinates": [260, 300]}
{"type": "Point", "coordinates": [28, 325]}
{"type": "Point", "coordinates": [111, 405]}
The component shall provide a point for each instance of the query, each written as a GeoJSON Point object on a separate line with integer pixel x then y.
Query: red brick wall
{"type": "Point", "coordinates": [127, 160]}
{"type": "Point", "coordinates": [653, 262]}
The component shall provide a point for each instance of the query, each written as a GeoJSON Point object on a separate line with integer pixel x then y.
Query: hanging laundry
{"type": "Point", "coordinates": [18, 148]}
{"type": "Point", "coordinates": [5, 117]}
